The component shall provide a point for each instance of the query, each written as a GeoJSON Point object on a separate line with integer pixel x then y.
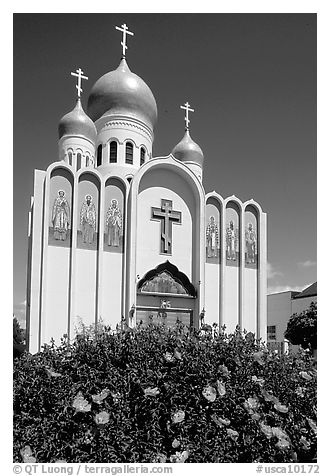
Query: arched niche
{"type": "Point", "coordinates": [166, 279]}
{"type": "Point", "coordinates": [114, 219]}
{"type": "Point", "coordinates": [88, 211]}
{"type": "Point", "coordinates": [233, 224]}
{"type": "Point", "coordinates": [60, 207]}
{"type": "Point", "coordinates": [251, 237]}
{"type": "Point", "coordinates": [212, 230]}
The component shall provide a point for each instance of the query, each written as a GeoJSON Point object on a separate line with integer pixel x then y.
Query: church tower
{"type": "Point", "coordinates": [118, 237]}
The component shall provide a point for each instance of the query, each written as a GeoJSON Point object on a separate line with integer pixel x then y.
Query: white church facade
{"type": "Point", "coordinates": [119, 236]}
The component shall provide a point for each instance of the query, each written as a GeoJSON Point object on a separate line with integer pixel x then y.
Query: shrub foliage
{"type": "Point", "coordinates": [159, 395]}
{"type": "Point", "coordinates": [302, 328]}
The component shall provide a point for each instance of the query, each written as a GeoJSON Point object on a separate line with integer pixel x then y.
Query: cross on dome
{"type": "Point", "coordinates": [124, 29]}
{"type": "Point", "coordinates": [188, 109]}
{"type": "Point", "coordinates": [80, 75]}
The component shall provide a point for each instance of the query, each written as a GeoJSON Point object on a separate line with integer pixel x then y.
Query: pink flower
{"type": "Point", "coordinates": [151, 392]}
{"type": "Point", "coordinates": [304, 443]}
{"type": "Point", "coordinates": [223, 370]}
{"type": "Point", "coordinates": [102, 418]}
{"type": "Point", "coordinates": [220, 421]}
{"type": "Point", "coordinates": [178, 416]}
{"type": "Point", "coordinates": [169, 357]}
{"type": "Point", "coordinates": [175, 443]}
{"type": "Point", "coordinates": [80, 404]}
{"type": "Point", "coordinates": [300, 391]}
{"type": "Point", "coordinates": [257, 356]}
{"type": "Point", "coordinates": [51, 373]}
{"type": "Point", "coordinates": [221, 388]}
{"type": "Point", "coordinates": [209, 393]}
{"type": "Point", "coordinates": [258, 381]}
{"type": "Point", "coordinates": [232, 434]}
{"type": "Point", "coordinates": [100, 396]}
{"type": "Point", "coordinates": [251, 404]}
{"type": "Point", "coordinates": [267, 430]}
{"type": "Point", "coordinates": [283, 444]}
{"type": "Point", "coordinates": [179, 457]}
{"type": "Point", "coordinates": [280, 434]}
{"type": "Point", "coordinates": [177, 355]}
{"type": "Point", "coordinates": [269, 397]}
{"type": "Point", "coordinates": [312, 424]}
{"type": "Point", "coordinates": [305, 376]}
{"type": "Point", "coordinates": [281, 408]}
{"type": "Point", "coordinates": [27, 455]}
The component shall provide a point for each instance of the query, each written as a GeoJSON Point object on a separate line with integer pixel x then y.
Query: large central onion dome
{"type": "Point", "coordinates": [121, 92]}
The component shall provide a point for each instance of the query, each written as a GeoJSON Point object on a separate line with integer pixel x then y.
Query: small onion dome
{"type": "Point", "coordinates": [77, 123]}
{"type": "Point", "coordinates": [121, 92]}
{"type": "Point", "coordinates": [188, 151]}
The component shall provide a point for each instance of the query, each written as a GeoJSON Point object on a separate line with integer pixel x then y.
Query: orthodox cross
{"type": "Point", "coordinates": [79, 74]}
{"type": "Point", "coordinates": [166, 215]}
{"type": "Point", "coordinates": [187, 108]}
{"type": "Point", "coordinates": [125, 31]}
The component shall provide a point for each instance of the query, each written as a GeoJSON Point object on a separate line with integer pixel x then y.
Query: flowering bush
{"type": "Point", "coordinates": [159, 395]}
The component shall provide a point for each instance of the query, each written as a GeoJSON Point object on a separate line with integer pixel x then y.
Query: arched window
{"type": "Point", "coordinates": [129, 153]}
{"type": "Point", "coordinates": [78, 161]}
{"type": "Point", "coordinates": [142, 156]}
{"type": "Point", "coordinates": [70, 158]}
{"type": "Point", "coordinates": [99, 155]}
{"type": "Point", "coordinates": [113, 152]}
{"type": "Point", "coordinates": [87, 162]}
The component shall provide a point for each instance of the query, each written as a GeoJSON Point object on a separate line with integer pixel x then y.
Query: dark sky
{"type": "Point", "coordinates": [251, 79]}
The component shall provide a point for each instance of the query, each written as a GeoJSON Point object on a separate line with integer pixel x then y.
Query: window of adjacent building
{"type": "Point", "coordinates": [70, 158]}
{"type": "Point", "coordinates": [113, 152]}
{"type": "Point", "coordinates": [142, 156]}
{"type": "Point", "coordinates": [129, 153]}
{"type": "Point", "coordinates": [78, 161]}
{"type": "Point", "coordinates": [99, 155]}
{"type": "Point", "coordinates": [271, 332]}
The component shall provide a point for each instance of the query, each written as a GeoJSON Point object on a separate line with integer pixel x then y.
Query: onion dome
{"type": "Point", "coordinates": [121, 92]}
{"type": "Point", "coordinates": [77, 123]}
{"type": "Point", "coordinates": [188, 151]}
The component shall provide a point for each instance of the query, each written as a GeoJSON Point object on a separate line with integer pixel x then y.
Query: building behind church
{"type": "Point", "coordinates": [119, 236]}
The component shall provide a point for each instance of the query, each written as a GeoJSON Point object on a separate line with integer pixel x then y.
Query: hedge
{"type": "Point", "coordinates": [164, 395]}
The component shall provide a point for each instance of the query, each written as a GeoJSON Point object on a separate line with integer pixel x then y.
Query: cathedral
{"type": "Point", "coordinates": [118, 236]}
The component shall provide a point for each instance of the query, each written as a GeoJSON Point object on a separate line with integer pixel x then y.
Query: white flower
{"type": "Point", "coordinates": [281, 408]}
{"type": "Point", "coordinates": [209, 393]}
{"type": "Point", "coordinates": [304, 443]}
{"type": "Point", "coordinates": [80, 404]}
{"type": "Point", "coordinates": [51, 373]}
{"type": "Point", "coordinates": [232, 434]}
{"type": "Point", "coordinates": [258, 381]}
{"type": "Point", "coordinates": [100, 396]}
{"type": "Point", "coordinates": [169, 357]}
{"type": "Point", "coordinates": [267, 430]}
{"type": "Point", "coordinates": [175, 443]}
{"type": "Point", "coordinates": [221, 388]}
{"type": "Point", "coordinates": [178, 416]}
{"type": "Point", "coordinates": [305, 375]}
{"type": "Point", "coordinates": [312, 424]}
{"type": "Point", "coordinates": [27, 455]}
{"type": "Point", "coordinates": [283, 444]}
{"type": "Point", "coordinates": [102, 418]}
{"type": "Point", "coordinates": [179, 457]}
{"type": "Point", "coordinates": [151, 392]}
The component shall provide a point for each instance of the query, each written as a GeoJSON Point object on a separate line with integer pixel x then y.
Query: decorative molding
{"type": "Point", "coordinates": [174, 273]}
{"type": "Point", "coordinates": [131, 125]}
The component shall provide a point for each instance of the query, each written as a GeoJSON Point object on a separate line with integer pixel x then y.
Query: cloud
{"type": "Point", "coordinates": [272, 272]}
{"type": "Point", "coordinates": [284, 288]}
{"type": "Point", "coordinates": [307, 264]}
